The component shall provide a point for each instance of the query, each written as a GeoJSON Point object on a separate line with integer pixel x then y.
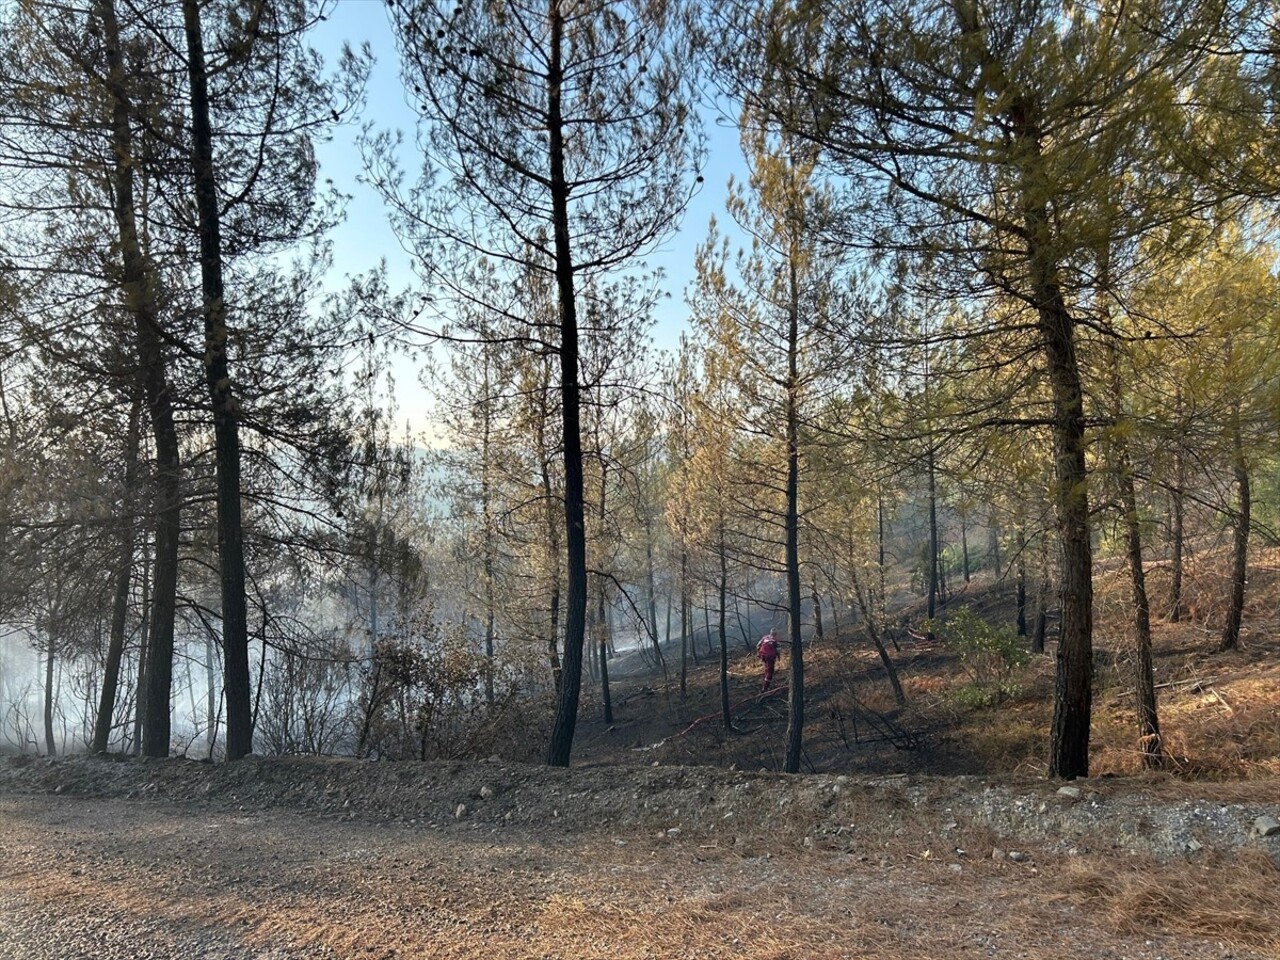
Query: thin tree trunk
{"type": "Point", "coordinates": [882, 596]}
{"type": "Point", "coordinates": [561, 744]}
{"type": "Point", "coordinates": [211, 692]}
{"type": "Point", "coordinates": [653, 603]}
{"type": "Point", "coordinates": [144, 644]}
{"type": "Point", "coordinates": [124, 576]}
{"type": "Point", "coordinates": [890, 670]}
{"type": "Point", "coordinates": [1175, 572]}
{"type": "Point", "coordinates": [724, 636]}
{"type": "Point", "coordinates": [686, 618]}
{"type": "Point", "coordinates": [602, 612]}
{"type": "Point", "coordinates": [993, 546]}
{"type": "Point", "coordinates": [602, 616]}
{"type": "Point", "coordinates": [1240, 549]}
{"type": "Point", "coordinates": [931, 573]}
{"type": "Point", "coordinates": [1022, 574]}
{"type": "Point", "coordinates": [235, 629]}
{"type": "Point", "coordinates": [817, 610]}
{"type": "Point", "coordinates": [964, 545]}
{"type": "Point", "coordinates": [795, 711]}
{"type": "Point", "coordinates": [1039, 635]}
{"type": "Point", "coordinates": [1149, 742]}
{"type": "Point", "coordinates": [139, 295]}
{"type": "Point", "coordinates": [50, 746]}
{"type": "Point", "coordinates": [706, 621]}
{"type": "Point", "coordinates": [553, 547]}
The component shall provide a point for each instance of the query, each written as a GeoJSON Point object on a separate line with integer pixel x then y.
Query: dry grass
{"type": "Point", "coordinates": [1236, 902]}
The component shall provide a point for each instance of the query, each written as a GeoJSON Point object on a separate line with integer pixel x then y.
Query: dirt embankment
{"type": "Point", "coordinates": [1161, 818]}
{"type": "Point", "coordinates": [300, 858]}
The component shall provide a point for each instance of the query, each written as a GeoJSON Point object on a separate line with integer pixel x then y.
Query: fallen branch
{"type": "Point", "coordinates": [759, 697]}
{"type": "Point", "coordinates": [1201, 685]}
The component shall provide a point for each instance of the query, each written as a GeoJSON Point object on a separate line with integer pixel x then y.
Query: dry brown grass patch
{"type": "Point", "coordinates": [1236, 901]}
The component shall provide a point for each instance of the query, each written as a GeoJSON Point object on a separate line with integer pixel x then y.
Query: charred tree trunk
{"type": "Point", "coordinates": [1073, 685]}
{"type": "Point", "coordinates": [144, 644]}
{"type": "Point", "coordinates": [553, 546]}
{"type": "Point", "coordinates": [795, 691]}
{"type": "Point", "coordinates": [653, 605]}
{"type": "Point", "coordinates": [138, 287]}
{"type": "Point", "coordinates": [575, 528]}
{"type": "Point", "coordinates": [50, 745]}
{"type": "Point", "coordinates": [226, 430]}
{"type": "Point", "coordinates": [1176, 508]}
{"type": "Point", "coordinates": [124, 577]}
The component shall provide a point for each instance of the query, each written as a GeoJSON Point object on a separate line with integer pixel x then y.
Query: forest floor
{"type": "Point", "coordinates": [919, 831]}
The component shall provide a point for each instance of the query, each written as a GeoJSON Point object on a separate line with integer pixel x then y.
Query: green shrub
{"type": "Point", "coordinates": [988, 654]}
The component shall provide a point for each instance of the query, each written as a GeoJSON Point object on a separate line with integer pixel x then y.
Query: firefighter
{"type": "Point", "coordinates": [767, 651]}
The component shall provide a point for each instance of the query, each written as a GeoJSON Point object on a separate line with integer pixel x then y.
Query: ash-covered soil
{"type": "Point", "coordinates": [287, 858]}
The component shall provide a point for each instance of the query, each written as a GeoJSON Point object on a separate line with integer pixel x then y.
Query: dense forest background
{"type": "Point", "coordinates": [993, 310]}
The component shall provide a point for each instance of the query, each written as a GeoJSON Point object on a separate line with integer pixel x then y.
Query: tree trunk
{"type": "Point", "coordinates": [931, 573]}
{"type": "Point", "coordinates": [883, 596]}
{"type": "Point", "coordinates": [602, 616]}
{"type": "Point", "coordinates": [653, 603]}
{"type": "Point", "coordinates": [50, 745]}
{"type": "Point", "coordinates": [1240, 549]}
{"type": "Point", "coordinates": [602, 611]}
{"type": "Point", "coordinates": [553, 549]}
{"type": "Point", "coordinates": [575, 528]}
{"type": "Point", "coordinates": [1149, 742]}
{"type": "Point", "coordinates": [1040, 633]}
{"type": "Point", "coordinates": [1175, 572]}
{"type": "Point", "coordinates": [1022, 574]}
{"type": "Point", "coordinates": [124, 576]}
{"type": "Point", "coordinates": [686, 617]}
{"type": "Point", "coordinates": [817, 610]}
{"type": "Point", "coordinates": [144, 645]}
{"type": "Point", "coordinates": [795, 711]}
{"type": "Point", "coordinates": [890, 670]}
{"type": "Point", "coordinates": [724, 635]}
{"type": "Point", "coordinates": [993, 546]}
{"type": "Point", "coordinates": [1073, 684]}
{"type": "Point", "coordinates": [211, 693]}
{"type": "Point", "coordinates": [486, 506]}
{"type": "Point", "coordinates": [226, 431]}
{"type": "Point", "coordinates": [139, 294]}
{"type": "Point", "coordinates": [964, 546]}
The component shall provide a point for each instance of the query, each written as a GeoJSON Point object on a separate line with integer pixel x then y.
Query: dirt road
{"type": "Point", "coordinates": [109, 878]}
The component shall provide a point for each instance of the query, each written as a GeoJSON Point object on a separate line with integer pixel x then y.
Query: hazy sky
{"type": "Point", "coordinates": [366, 237]}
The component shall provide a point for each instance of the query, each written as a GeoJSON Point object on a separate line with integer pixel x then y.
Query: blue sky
{"type": "Point", "coordinates": [366, 237]}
